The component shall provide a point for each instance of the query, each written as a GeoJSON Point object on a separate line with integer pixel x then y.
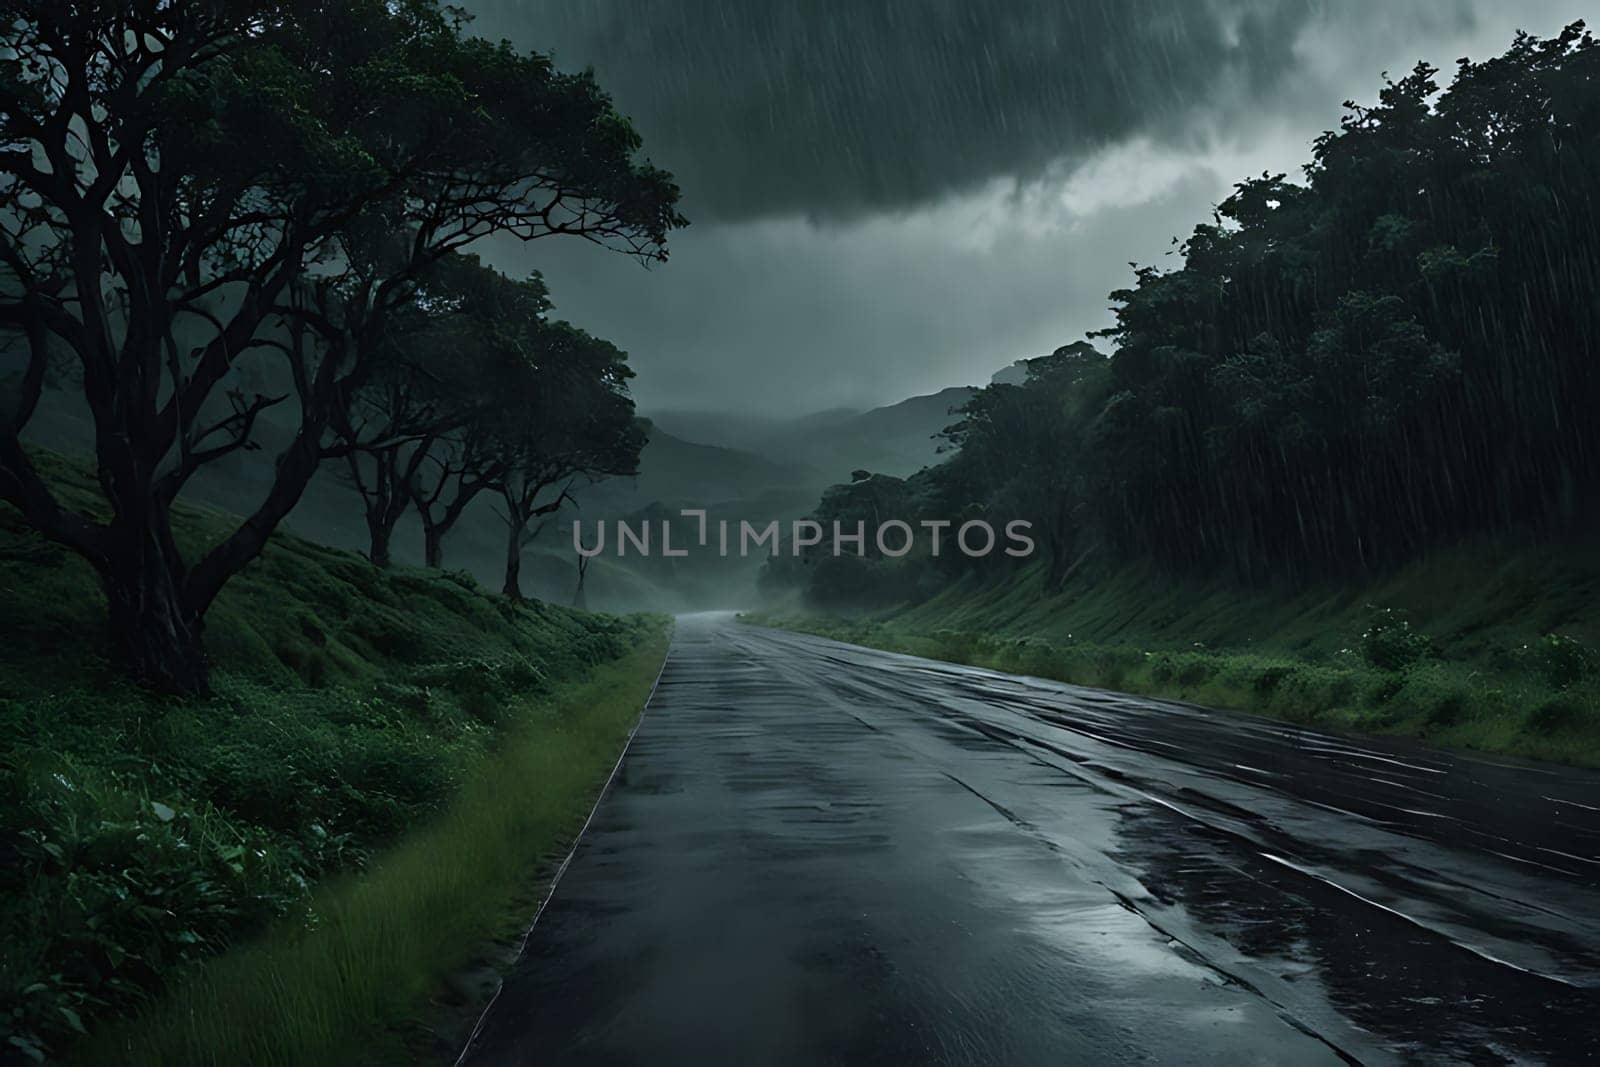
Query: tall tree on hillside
{"type": "Point", "coordinates": [1398, 351]}
{"type": "Point", "coordinates": [395, 419]}
{"type": "Point", "coordinates": [447, 366]}
{"type": "Point", "coordinates": [499, 326]}
{"type": "Point", "coordinates": [576, 424]}
{"type": "Point", "coordinates": [194, 186]}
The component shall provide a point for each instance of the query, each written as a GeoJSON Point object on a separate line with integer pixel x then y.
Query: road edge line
{"type": "Point", "coordinates": [555, 881]}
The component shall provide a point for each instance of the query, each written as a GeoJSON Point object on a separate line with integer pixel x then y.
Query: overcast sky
{"type": "Point", "coordinates": [891, 196]}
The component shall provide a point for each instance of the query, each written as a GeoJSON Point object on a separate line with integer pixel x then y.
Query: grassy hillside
{"type": "Point", "coordinates": [350, 706]}
{"type": "Point", "coordinates": [1474, 647]}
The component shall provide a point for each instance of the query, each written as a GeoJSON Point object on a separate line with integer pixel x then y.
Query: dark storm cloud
{"type": "Point", "coordinates": [832, 108]}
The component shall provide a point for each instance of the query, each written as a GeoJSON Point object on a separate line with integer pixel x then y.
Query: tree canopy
{"type": "Point", "coordinates": [196, 189]}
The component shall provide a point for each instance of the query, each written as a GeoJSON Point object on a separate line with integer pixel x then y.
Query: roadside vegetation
{"type": "Point", "coordinates": [350, 978]}
{"type": "Point", "coordinates": [1473, 647]}
{"type": "Point", "coordinates": [350, 708]}
{"type": "Point", "coordinates": [239, 229]}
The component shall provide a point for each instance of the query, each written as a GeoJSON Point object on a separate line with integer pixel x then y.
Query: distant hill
{"type": "Point", "coordinates": [673, 470]}
{"type": "Point", "coordinates": [897, 439]}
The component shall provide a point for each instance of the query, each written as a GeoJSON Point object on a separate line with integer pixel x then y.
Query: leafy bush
{"type": "Point", "coordinates": [1561, 661]}
{"type": "Point", "coordinates": [1113, 665]}
{"type": "Point", "coordinates": [1558, 714]}
{"type": "Point", "coordinates": [482, 684]}
{"type": "Point", "coordinates": [141, 834]}
{"type": "Point", "coordinates": [1271, 677]}
{"type": "Point", "coordinates": [109, 890]}
{"type": "Point", "coordinates": [1390, 644]}
{"type": "Point", "coordinates": [1342, 691]}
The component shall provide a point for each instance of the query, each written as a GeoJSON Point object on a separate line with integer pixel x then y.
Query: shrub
{"type": "Point", "coordinates": [1390, 644]}
{"type": "Point", "coordinates": [1561, 661]}
{"type": "Point", "coordinates": [1385, 688]}
{"type": "Point", "coordinates": [1031, 655]}
{"type": "Point", "coordinates": [1196, 670]}
{"type": "Point", "coordinates": [1449, 710]}
{"type": "Point", "coordinates": [109, 890]}
{"type": "Point", "coordinates": [484, 685]}
{"type": "Point", "coordinates": [1270, 677]}
{"type": "Point", "coordinates": [1112, 665]}
{"type": "Point", "coordinates": [1556, 715]}
{"type": "Point", "coordinates": [1341, 691]}
{"type": "Point", "coordinates": [464, 579]}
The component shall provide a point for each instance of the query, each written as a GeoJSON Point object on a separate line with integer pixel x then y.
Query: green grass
{"type": "Point", "coordinates": [1472, 648]}
{"type": "Point", "coordinates": [142, 835]}
{"type": "Point", "coordinates": [302, 615]}
{"type": "Point", "coordinates": [337, 988]}
{"type": "Point", "coordinates": [1474, 599]}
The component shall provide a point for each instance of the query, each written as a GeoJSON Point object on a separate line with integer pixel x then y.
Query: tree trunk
{"type": "Point", "coordinates": [384, 498]}
{"type": "Point", "coordinates": [513, 586]}
{"type": "Point", "coordinates": [157, 635]}
{"type": "Point", "coordinates": [380, 534]}
{"type": "Point", "coordinates": [580, 598]}
{"type": "Point", "coordinates": [432, 542]}
{"type": "Point", "coordinates": [1056, 565]}
{"type": "Point", "coordinates": [436, 525]}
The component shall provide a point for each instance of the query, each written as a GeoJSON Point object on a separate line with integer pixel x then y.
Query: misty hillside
{"type": "Point", "coordinates": [673, 473]}
{"type": "Point", "coordinates": [674, 470]}
{"type": "Point", "coordinates": [897, 439]}
{"type": "Point", "coordinates": [736, 466]}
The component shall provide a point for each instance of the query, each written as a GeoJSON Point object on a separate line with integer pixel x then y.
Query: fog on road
{"type": "Point", "coordinates": [819, 853]}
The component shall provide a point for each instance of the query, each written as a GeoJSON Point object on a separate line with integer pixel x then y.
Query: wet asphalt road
{"type": "Point", "coordinates": [819, 853]}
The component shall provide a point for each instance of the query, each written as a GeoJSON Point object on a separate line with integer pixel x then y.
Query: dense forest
{"type": "Point", "coordinates": [1393, 354]}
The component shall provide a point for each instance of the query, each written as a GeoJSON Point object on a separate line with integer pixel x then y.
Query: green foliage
{"type": "Point", "coordinates": [111, 890]}
{"type": "Point", "coordinates": [482, 684]}
{"type": "Point", "coordinates": [373, 134]}
{"type": "Point", "coordinates": [1389, 644]}
{"type": "Point", "coordinates": [1447, 703]}
{"type": "Point", "coordinates": [1454, 659]}
{"type": "Point", "coordinates": [350, 976]}
{"type": "Point", "coordinates": [143, 833]}
{"type": "Point", "coordinates": [1560, 660]}
{"type": "Point", "coordinates": [1562, 714]}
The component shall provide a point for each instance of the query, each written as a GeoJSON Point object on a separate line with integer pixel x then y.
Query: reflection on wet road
{"type": "Point", "coordinates": [818, 853]}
